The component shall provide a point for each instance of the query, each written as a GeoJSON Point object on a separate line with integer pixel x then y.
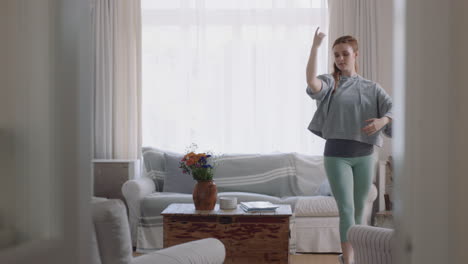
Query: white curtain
{"type": "Point", "coordinates": [229, 75]}
{"type": "Point", "coordinates": [117, 39]}
{"type": "Point", "coordinates": [359, 19]}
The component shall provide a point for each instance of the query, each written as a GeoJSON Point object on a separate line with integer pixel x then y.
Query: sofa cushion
{"type": "Point", "coordinates": [112, 231]}
{"type": "Point", "coordinates": [249, 197]}
{"type": "Point", "coordinates": [325, 188]}
{"type": "Point", "coordinates": [176, 181]}
{"type": "Point", "coordinates": [302, 206]}
{"type": "Point", "coordinates": [310, 173]}
{"type": "Point", "coordinates": [316, 206]}
{"type": "Point", "coordinates": [155, 166]}
{"type": "Point", "coordinates": [324, 205]}
{"type": "Point", "coordinates": [269, 174]}
{"type": "Point", "coordinates": [153, 158]}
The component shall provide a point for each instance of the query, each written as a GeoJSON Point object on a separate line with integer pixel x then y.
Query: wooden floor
{"type": "Point", "coordinates": [314, 259]}
{"type": "Point", "coordinates": [307, 258]}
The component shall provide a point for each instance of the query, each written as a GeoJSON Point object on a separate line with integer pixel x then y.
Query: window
{"type": "Point", "coordinates": [229, 75]}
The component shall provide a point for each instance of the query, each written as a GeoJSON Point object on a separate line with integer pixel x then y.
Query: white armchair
{"type": "Point", "coordinates": [111, 242]}
{"type": "Point", "coordinates": [133, 191]}
{"type": "Point", "coordinates": [372, 245]}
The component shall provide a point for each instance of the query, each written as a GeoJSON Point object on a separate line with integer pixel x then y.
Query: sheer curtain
{"type": "Point", "coordinates": [359, 19]}
{"type": "Point", "coordinates": [117, 48]}
{"type": "Point", "coordinates": [229, 75]}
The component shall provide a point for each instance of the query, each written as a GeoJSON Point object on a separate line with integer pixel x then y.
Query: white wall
{"type": "Point", "coordinates": [45, 123]}
{"type": "Point", "coordinates": [458, 182]}
{"type": "Point", "coordinates": [6, 130]}
{"type": "Point", "coordinates": [28, 124]}
{"type": "Point", "coordinates": [425, 160]}
{"type": "Point", "coordinates": [431, 208]}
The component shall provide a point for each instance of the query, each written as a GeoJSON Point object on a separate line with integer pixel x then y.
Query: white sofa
{"type": "Point", "coordinates": [372, 244]}
{"type": "Point", "coordinates": [111, 244]}
{"type": "Point", "coordinates": [283, 178]}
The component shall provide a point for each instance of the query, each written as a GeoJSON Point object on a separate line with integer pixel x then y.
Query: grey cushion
{"type": "Point", "coordinates": [112, 231]}
{"type": "Point", "coordinates": [176, 181]}
{"type": "Point", "coordinates": [155, 166]}
{"type": "Point", "coordinates": [270, 174]}
{"type": "Point", "coordinates": [153, 158]}
{"type": "Point", "coordinates": [325, 189]}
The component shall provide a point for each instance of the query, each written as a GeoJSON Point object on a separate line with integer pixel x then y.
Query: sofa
{"type": "Point", "coordinates": [111, 244]}
{"type": "Point", "coordinates": [280, 178]}
{"type": "Point", "coordinates": [372, 244]}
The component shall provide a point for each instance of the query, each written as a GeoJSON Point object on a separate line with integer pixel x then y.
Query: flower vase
{"type": "Point", "coordinates": [204, 195]}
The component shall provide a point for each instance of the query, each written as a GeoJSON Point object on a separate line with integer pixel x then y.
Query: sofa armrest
{"type": "Point", "coordinates": [204, 251]}
{"type": "Point", "coordinates": [368, 209]}
{"type": "Point", "coordinates": [133, 191]}
{"type": "Point", "coordinates": [371, 244]}
{"type": "Point", "coordinates": [380, 183]}
{"type": "Point", "coordinates": [373, 193]}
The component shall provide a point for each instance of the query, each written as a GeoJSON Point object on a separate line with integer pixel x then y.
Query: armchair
{"type": "Point", "coordinates": [372, 245]}
{"type": "Point", "coordinates": [111, 241]}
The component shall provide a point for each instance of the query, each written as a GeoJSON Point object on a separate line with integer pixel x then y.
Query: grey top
{"type": "Point", "coordinates": [355, 100]}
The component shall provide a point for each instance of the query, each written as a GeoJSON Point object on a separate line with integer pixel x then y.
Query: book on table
{"type": "Point", "coordinates": [258, 206]}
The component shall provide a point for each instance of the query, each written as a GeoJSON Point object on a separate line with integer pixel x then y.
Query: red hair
{"type": "Point", "coordinates": [354, 45]}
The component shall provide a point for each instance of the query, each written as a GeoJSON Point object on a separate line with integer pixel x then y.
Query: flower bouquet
{"type": "Point", "coordinates": [197, 165]}
{"type": "Point", "coordinates": [205, 191]}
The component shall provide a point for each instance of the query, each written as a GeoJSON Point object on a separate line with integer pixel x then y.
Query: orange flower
{"type": "Point", "coordinates": [189, 155]}
{"type": "Point", "coordinates": [190, 162]}
{"type": "Point", "coordinates": [193, 158]}
{"type": "Point", "coordinates": [197, 165]}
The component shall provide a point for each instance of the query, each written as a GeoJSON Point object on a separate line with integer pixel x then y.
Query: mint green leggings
{"type": "Point", "coordinates": [350, 181]}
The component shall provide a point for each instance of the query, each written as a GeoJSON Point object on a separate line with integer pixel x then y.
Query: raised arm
{"type": "Point", "coordinates": [311, 70]}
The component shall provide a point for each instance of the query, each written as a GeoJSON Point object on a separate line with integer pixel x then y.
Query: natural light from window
{"type": "Point", "coordinates": [229, 75]}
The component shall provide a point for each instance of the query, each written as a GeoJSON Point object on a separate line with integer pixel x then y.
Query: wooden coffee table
{"type": "Point", "coordinates": [259, 237]}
